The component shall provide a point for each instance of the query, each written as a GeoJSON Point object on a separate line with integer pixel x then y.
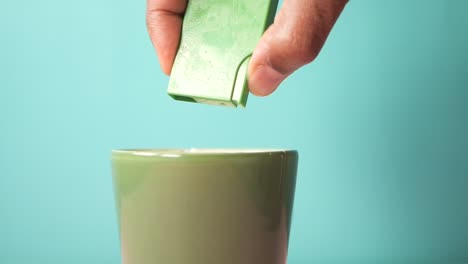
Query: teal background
{"type": "Point", "coordinates": [380, 120]}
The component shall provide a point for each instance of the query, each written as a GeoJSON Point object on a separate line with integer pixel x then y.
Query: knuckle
{"type": "Point", "coordinates": [305, 54]}
{"type": "Point", "coordinates": [153, 18]}
{"type": "Point", "coordinates": [289, 52]}
{"type": "Point", "coordinates": [307, 48]}
{"type": "Point", "coordinates": [293, 53]}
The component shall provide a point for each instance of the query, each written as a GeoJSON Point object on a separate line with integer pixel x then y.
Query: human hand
{"type": "Point", "coordinates": [294, 39]}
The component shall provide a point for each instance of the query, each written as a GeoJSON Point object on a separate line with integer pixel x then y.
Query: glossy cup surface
{"type": "Point", "coordinates": [204, 206]}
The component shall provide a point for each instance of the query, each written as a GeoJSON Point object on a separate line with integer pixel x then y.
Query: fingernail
{"type": "Point", "coordinates": [264, 80]}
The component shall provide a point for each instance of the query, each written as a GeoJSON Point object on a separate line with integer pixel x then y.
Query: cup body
{"type": "Point", "coordinates": [204, 206]}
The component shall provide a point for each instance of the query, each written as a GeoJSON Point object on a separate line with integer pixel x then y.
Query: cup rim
{"type": "Point", "coordinates": [179, 152]}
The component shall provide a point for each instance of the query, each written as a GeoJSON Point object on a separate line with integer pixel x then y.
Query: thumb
{"type": "Point", "coordinates": [293, 40]}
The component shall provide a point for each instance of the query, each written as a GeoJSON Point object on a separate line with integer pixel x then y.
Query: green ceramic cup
{"type": "Point", "coordinates": [204, 206]}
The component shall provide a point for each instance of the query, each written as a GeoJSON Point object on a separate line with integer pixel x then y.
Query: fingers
{"type": "Point", "coordinates": [293, 40]}
{"type": "Point", "coordinates": [164, 22]}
